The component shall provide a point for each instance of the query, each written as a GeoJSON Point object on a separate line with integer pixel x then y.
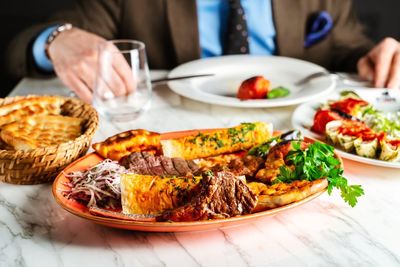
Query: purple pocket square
{"type": "Point", "coordinates": [318, 28]}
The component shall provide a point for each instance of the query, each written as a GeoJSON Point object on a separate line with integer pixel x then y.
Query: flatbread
{"type": "Point", "coordinates": [41, 131]}
{"type": "Point", "coordinates": [43, 101]}
{"type": "Point", "coordinates": [36, 109]}
{"type": "Point", "coordinates": [280, 194]}
{"type": "Point", "coordinates": [123, 144]}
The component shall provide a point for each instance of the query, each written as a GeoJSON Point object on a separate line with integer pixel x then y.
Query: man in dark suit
{"type": "Point", "coordinates": [177, 31]}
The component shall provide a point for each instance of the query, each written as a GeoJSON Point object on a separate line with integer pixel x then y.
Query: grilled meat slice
{"type": "Point", "coordinates": [246, 165]}
{"type": "Point", "coordinates": [135, 163]}
{"type": "Point", "coordinates": [181, 166]}
{"type": "Point", "coordinates": [221, 195]}
{"type": "Point", "coordinates": [154, 164]}
{"type": "Point", "coordinates": [169, 166]}
{"type": "Point", "coordinates": [148, 164]}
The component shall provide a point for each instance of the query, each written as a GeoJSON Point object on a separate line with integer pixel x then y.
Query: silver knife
{"type": "Point", "coordinates": [164, 80]}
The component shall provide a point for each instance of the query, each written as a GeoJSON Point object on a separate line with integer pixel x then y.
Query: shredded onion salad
{"type": "Point", "coordinates": [97, 187]}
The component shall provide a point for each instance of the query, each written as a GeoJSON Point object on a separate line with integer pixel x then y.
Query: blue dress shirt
{"type": "Point", "coordinates": [39, 50]}
{"type": "Point", "coordinates": [212, 20]}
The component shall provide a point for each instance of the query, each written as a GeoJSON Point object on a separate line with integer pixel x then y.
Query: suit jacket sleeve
{"type": "Point", "coordinates": [349, 41]}
{"type": "Point", "coordinates": [101, 17]}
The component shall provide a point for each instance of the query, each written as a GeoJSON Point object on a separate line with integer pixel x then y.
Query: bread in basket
{"type": "Point", "coordinates": [40, 165]}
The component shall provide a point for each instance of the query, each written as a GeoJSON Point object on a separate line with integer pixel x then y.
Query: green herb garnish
{"type": "Point", "coordinates": [316, 162]}
{"type": "Point", "coordinates": [278, 92]}
{"type": "Point", "coordinates": [263, 149]}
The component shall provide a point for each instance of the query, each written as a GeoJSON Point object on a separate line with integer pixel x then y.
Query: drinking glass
{"type": "Point", "coordinates": [122, 87]}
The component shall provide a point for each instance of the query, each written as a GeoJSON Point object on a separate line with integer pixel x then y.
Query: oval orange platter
{"type": "Point", "coordinates": [82, 211]}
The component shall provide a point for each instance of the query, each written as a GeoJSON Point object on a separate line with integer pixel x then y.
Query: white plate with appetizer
{"type": "Point", "coordinates": [199, 179]}
{"type": "Point", "coordinates": [251, 81]}
{"type": "Point", "coordinates": [363, 124]}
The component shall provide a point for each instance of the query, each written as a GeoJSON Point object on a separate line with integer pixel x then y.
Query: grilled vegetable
{"type": "Point", "coordinates": [351, 106]}
{"type": "Point", "coordinates": [390, 150]}
{"type": "Point", "coordinates": [216, 142]}
{"type": "Point", "coordinates": [366, 148]}
{"type": "Point", "coordinates": [322, 118]}
{"type": "Point", "coordinates": [146, 194]}
{"type": "Point", "coordinates": [346, 142]}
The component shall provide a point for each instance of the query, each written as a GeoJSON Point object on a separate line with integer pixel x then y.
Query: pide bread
{"type": "Point", "coordinates": [123, 144]}
{"type": "Point", "coordinates": [36, 121]}
{"type": "Point", "coordinates": [51, 103]}
{"type": "Point", "coordinates": [35, 109]}
{"type": "Point", "coordinates": [37, 131]}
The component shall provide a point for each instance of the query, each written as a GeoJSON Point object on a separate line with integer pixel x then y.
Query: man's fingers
{"type": "Point", "coordinates": [382, 57]}
{"type": "Point", "coordinates": [87, 73]}
{"type": "Point", "coordinates": [114, 82]}
{"type": "Point", "coordinates": [394, 76]}
{"type": "Point", "coordinates": [125, 72]}
{"type": "Point", "coordinates": [365, 69]}
{"type": "Point", "coordinates": [76, 85]}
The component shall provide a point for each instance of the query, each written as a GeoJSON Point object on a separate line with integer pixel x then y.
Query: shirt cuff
{"type": "Point", "coordinates": [40, 57]}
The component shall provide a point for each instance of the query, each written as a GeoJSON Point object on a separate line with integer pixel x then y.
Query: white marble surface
{"type": "Point", "coordinates": [35, 231]}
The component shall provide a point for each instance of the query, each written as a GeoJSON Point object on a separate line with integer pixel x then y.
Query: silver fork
{"type": "Point", "coordinates": [346, 79]}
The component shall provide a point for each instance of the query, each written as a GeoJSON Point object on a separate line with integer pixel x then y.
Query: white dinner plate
{"type": "Point", "coordinates": [303, 116]}
{"type": "Point", "coordinates": [231, 71]}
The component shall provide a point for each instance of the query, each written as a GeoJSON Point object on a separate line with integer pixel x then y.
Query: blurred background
{"type": "Point", "coordinates": [380, 18]}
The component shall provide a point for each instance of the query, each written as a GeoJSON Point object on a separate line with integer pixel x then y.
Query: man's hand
{"type": "Point", "coordinates": [75, 53]}
{"type": "Point", "coordinates": [382, 64]}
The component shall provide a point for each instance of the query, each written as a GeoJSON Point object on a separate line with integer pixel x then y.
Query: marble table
{"type": "Point", "coordinates": [35, 231]}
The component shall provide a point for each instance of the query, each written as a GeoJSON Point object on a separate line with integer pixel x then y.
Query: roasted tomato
{"type": "Point", "coordinates": [321, 118]}
{"type": "Point", "coordinates": [349, 105]}
{"type": "Point", "coordinates": [254, 88]}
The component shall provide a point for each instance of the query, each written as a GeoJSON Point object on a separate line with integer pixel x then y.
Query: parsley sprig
{"type": "Point", "coordinates": [316, 162]}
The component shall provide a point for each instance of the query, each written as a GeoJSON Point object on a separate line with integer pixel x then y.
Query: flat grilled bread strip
{"type": "Point", "coordinates": [121, 216]}
{"type": "Point", "coordinates": [217, 142]}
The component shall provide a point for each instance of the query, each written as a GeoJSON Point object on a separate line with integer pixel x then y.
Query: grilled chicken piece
{"type": "Point", "coordinates": [239, 165]}
{"type": "Point", "coordinates": [221, 196]}
{"type": "Point", "coordinates": [275, 159]}
{"type": "Point", "coordinates": [277, 195]}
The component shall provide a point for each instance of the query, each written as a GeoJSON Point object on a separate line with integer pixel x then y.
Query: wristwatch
{"type": "Point", "coordinates": [61, 28]}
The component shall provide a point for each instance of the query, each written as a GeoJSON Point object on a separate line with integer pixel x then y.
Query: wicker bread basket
{"type": "Point", "coordinates": [41, 165]}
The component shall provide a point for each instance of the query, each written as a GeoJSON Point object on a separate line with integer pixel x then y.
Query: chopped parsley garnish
{"type": "Point", "coordinates": [263, 149]}
{"type": "Point", "coordinates": [316, 162]}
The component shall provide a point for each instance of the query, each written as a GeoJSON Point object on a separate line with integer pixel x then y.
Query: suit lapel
{"type": "Point", "coordinates": [182, 19]}
{"type": "Point", "coordinates": [290, 27]}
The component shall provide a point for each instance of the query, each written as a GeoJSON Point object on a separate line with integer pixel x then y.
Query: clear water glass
{"type": "Point", "coordinates": [122, 87]}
